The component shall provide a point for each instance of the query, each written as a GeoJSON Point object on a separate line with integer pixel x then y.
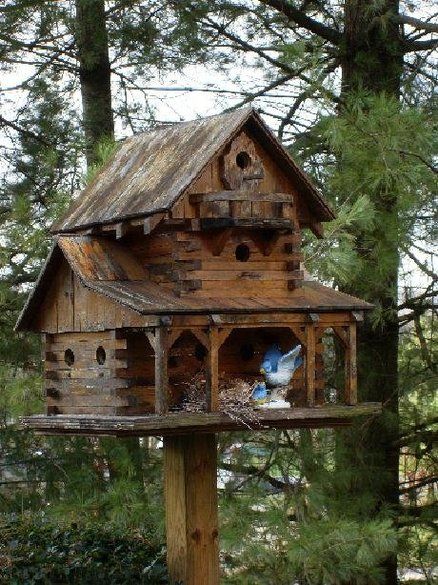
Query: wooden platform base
{"type": "Point", "coordinates": [183, 423]}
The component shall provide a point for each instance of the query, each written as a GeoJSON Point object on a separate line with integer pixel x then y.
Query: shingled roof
{"type": "Point", "coordinates": [150, 171]}
{"type": "Point", "coordinates": [109, 269]}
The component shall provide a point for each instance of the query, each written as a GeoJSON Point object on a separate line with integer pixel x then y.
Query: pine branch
{"type": "Point", "coordinates": [416, 303]}
{"type": "Point", "coordinates": [301, 19]}
{"type": "Point", "coordinates": [251, 96]}
{"type": "Point", "coordinates": [425, 353]}
{"type": "Point", "coordinates": [247, 47]}
{"type": "Point", "coordinates": [421, 158]}
{"type": "Point", "coordinates": [423, 267]}
{"type": "Point", "coordinates": [22, 131]}
{"type": "Point", "coordinates": [417, 23]}
{"type": "Point", "coordinates": [411, 46]}
{"type": "Point", "coordinates": [253, 471]}
{"type": "Point", "coordinates": [418, 484]}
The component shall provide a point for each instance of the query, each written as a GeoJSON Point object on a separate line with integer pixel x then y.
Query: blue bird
{"type": "Point", "coordinates": [278, 368]}
{"type": "Point", "coordinates": [260, 392]}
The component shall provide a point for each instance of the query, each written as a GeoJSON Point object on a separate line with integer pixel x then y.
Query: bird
{"type": "Point", "coordinates": [260, 392]}
{"type": "Point", "coordinates": [278, 368]}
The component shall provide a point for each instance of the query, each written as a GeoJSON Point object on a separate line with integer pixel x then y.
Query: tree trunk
{"type": "Point", "coordinates": [98, 123]}
{"type": "Point", "coordinates": [372, 56]}
{"type": "Point", "coordinates": [372, 61]}
{"type": "Point", "coordinates": [94, 74]}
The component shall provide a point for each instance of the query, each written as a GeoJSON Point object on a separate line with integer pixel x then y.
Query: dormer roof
{"type": "Point", "coordinates": [108, 268]}
{"type": "Point", "coordinates": [149, 172]}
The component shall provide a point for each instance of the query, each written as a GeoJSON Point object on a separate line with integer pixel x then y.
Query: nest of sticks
{"type": "Point", "coordinates": [234, 398]}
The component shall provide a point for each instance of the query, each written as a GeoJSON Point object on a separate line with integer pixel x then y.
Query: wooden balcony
{"type": "Point", "coordinates": [246, 209]}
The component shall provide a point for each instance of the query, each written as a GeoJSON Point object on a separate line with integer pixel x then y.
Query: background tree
{"type": "Point", "coordinates": [350, 91]}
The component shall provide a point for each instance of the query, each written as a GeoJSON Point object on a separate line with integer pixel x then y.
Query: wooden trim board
{"type": "Point", "coordinates": [181, 423]}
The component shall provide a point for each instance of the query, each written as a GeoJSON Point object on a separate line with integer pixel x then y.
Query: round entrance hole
{"type": "Point", "coordinates": [69, 357]}
{"type": "Point", "coordinates": [243, 160]}
{"type": "Point", "coordinates": [100, 355]}
{"type": "Point", "coordinates": [242, 253]}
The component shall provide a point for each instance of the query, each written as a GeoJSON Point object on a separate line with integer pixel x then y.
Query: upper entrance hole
{"type": "Point", "coordinates": [69, 357]}
{"type": "Point", "coordinates": [243, 160]}
{"type": "Point", "coordinates": [242, 253]}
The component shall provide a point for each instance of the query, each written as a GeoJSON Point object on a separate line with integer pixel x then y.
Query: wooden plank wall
{"type": "Point", "coordinates": [204, 263]}
{"type": "Point", "coordinates": [274, 181]}
{"type": "Point", "coordinates": [121, 385]}
{"type": "Point", "coordinates": [69, 306]}
{"type": "Point", "coordinates": [187, 263]}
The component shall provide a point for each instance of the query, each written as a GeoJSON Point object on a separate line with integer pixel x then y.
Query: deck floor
{"type": "Point", "coordinates": [180, 423]}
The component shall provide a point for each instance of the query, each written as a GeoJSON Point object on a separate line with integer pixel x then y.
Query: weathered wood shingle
{"type": "Point", "coordinates": [107, 268]}
{"type": "Point", "coordinates": [150, 171]}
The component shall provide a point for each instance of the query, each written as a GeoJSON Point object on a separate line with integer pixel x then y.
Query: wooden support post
{"type": "Point", "coordinates": [191, 509]}
{"type": "Point", "coordinates": [351, 366]}
{"type": "Point", "coordinates": [161, 374]}
{"type": "Point", "coordinates": [212, 393]}
{"type": "Point", "coordinates": [310, 364]}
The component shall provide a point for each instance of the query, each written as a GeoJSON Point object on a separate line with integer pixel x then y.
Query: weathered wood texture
{"type": "Point", "coordinates": [262, 175]}
{"type": "Point", "coordinates": [77, 380]}
{"type": "Point", "coordinates": [207, 265]}
{"type": "Point", "coordinates": [69, 306]}
{"type": "Point", "coordinates": [187, 423]}
{"type": "Point", "coordinates": [150, 172]}
{"type": "Point", "coordinates": [191, 509]}
{"type": "Point", "coordinates": [239, 271]}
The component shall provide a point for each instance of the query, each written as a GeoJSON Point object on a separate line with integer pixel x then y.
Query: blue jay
{"type": "Point", "coordinates": [278, 368]}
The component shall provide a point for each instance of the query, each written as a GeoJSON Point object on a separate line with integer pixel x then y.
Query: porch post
{"type": "Point", "coordinates": [212, 371]}
{"type": "Point", "coordinates": [351, 366]}
{"type": "Point", "coordinates": [161, 374]}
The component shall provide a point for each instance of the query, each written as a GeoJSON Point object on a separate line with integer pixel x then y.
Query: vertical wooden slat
{"type": "Point", "coordinates": [191, 509]}
{"type": "Point", "coordinates": [310, 364]}
{"type": "Point", "coordinates": [161, 374]}
{"type": "Point", "coordinates": [201, 506]}
{"type": "Point", "coordinates": [176, 512]}
{"type": "Point", "coordinates": [351, 366]}
{"type": "Point", "coordinates": [212, 390]}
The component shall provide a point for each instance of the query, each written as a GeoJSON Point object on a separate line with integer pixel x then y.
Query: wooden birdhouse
{"type": "Point", "coordinates": [182, 261]}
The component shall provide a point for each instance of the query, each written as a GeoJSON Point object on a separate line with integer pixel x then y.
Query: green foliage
{"type": "Point", "coordinates": [344, 551]}
{"type": "Point", "coordinates": [299, 516]}
{"type": "Point", "coordinates": [21, 391]}
{"type": "Point", "coordinates": [104, 150]}
{"type": "Point", "coordinates": [38, 552]}
{"type": "Point", "coordinates": [382, 182]}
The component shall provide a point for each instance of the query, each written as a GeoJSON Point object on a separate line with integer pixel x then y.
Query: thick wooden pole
{"type": "Point", "coordinates": [191, 509]}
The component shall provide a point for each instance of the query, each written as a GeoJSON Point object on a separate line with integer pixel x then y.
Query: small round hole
{"type": "Point", "coordinates": [243, 160]}
{"type": "Point", "coordinates": [242, 253]}
{"type": "Point", "coordinates": [100, 355]}
{"type": "Point", "coordinates": [200, 352]}
{"type": "Point", "coordinates": [247, 352]}
{"type": "Point", "coordinates": [69, 357]}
